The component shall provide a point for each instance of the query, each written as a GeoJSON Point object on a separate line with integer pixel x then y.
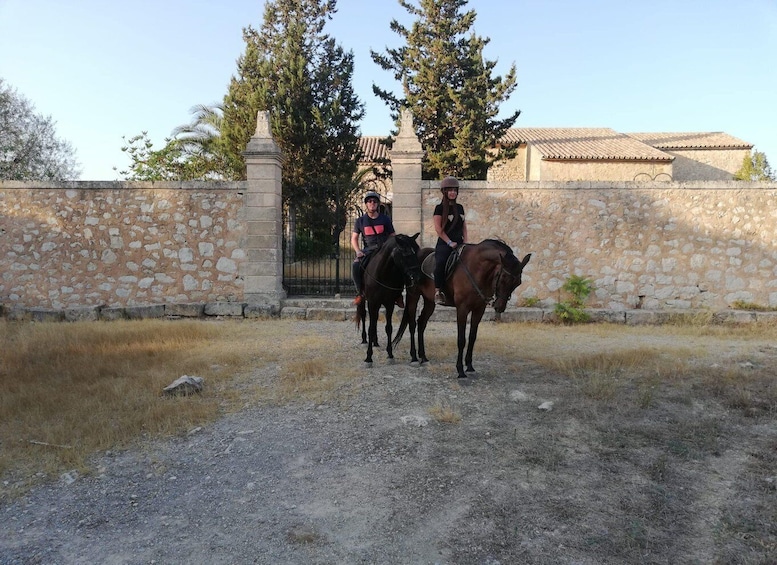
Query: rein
{"type": "Point", "coordinates": [471, 278]}
{"type": "Point", "coordinates": [487, 299]}
{"type": "Point", "coordinates": [377, 280]}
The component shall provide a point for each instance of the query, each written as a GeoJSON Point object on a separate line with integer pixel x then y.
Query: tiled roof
{"type": "Point", "coordinates": [691, 140]}
{"type": "Point", "coordinates": [593, 144]}
{"type": "Point", "coordinates": [372, 148]}
{"type": "Point", "coordinates": [584, 144]}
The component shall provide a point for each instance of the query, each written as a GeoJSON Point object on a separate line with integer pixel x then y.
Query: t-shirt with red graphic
{"type": "Point", "coordinates": [374, 231]}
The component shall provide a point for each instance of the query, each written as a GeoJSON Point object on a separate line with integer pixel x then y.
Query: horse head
{"type": "Point", "coordinates": [405, 256]}
{"type": "Point", "coordinates": [508, 278]}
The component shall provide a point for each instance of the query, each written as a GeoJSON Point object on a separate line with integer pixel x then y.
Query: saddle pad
{"type": "Point", "coordinates": [427, 267]}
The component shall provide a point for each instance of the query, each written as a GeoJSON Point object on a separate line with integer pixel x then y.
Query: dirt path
{"type": "Point", "coordinates": [378, 479]}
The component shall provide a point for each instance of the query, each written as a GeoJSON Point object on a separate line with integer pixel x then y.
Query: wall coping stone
{"type": "Point", "coordinates": [342, 310]}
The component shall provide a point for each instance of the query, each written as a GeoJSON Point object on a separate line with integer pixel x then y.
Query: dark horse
{"type": "Point", "coordinates": [483, 272]}
{"type": "Point", "coordinates": [389, 270]}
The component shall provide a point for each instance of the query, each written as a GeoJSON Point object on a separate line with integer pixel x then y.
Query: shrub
{"type": "Point", "coordinates": [571, 311]}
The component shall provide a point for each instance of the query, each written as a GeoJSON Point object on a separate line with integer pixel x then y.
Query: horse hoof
{"type": "Point", "coordinates": [368, 364]}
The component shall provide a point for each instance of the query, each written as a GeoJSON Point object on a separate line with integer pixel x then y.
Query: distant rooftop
{"type": "Point", "coordinates": [594, 144]}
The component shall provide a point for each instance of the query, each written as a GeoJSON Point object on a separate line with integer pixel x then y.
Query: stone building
{"type": "Point", "coordinates": [603, 154]}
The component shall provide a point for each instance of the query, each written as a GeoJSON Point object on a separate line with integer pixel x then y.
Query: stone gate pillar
{"type": "Point", "coordinates": [406, 156]}
{"type": "Point", "coordinates": [263, 276]}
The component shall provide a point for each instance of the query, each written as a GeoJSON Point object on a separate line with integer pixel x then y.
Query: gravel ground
{"type": "Point", "coordinates": [377, 479]}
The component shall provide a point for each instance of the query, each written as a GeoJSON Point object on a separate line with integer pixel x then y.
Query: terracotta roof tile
{"type": "Point", "coordinates": [592, 144]}
{"type": "Point", "coordinates": [372, 148]}
{"type": "Point", "coordinates": [589, 144]}
{"type": "Point", "coordinates": [691, 140]}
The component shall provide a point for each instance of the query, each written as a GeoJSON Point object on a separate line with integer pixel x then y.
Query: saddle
{"type": "Point", "coordinates": [427, 267]}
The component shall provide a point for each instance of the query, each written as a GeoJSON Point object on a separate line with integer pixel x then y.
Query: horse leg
{"type": "Point", "coordinates": [372, 333]}
{"type": "Point", "coordinates": [477, 315]}
{"type": "Point", "coordinates": [410, 310]}
{"type": "Point", "coordinates": [461, 339]}
{"type": "Point", "coordinates": [361, 314]}
{"type": "Point", "coordinates": [423, 319]}
{"type": "Point", "coordinates": [389, 328]}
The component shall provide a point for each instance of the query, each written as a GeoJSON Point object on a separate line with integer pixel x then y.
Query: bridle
{"type": "Point", "coordinates": [398, 250]}
{"type": "Point", "coordinates": [499, 272]}
{"type": "Point", "coordinates": [492, 297]}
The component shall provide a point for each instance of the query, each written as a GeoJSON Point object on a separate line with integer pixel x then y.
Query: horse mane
{"type": "Point", "coordinates": [499, 244]}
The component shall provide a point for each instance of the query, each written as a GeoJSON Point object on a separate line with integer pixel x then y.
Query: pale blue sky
{"type": "Point", "coordinates": [103, 69]}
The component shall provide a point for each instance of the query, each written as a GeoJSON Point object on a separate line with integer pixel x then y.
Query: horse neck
{"type": "Point", "coordinates": [483, 264]}
{"type": "Point", "coordinates": [385, 266]}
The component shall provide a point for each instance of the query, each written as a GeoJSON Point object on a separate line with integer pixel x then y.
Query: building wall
{"type": "Point", "coordinates": [609, 170]}
{"type": "Point", "coordinates": [119, 244]}
{"type": "Point", "coordinates": [707, 164]}
{"type": "Point", "coordinates": [652, 246]}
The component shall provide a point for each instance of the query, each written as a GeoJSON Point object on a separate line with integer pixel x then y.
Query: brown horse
{"type": "Point", "coordinates": [392, 268]}
{"type": "Point", "coordinates": [483, 272]}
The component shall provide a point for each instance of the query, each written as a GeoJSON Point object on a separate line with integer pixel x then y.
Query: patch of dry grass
{"type": "Point", "coordinates": [445, 412]}
{"type": "Point", "coordinates": [70, 390]}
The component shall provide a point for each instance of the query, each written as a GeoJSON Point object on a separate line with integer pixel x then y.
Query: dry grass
{"type": "Point", "coordinates": [70, 390]}
{"type": "Point", "coordinates": [444, 412]}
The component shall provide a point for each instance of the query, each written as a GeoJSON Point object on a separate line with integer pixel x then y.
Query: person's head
{"type": "Point", "coordinates": [372, 200]}
{"type": "Point", "coordinates": [449, 186]}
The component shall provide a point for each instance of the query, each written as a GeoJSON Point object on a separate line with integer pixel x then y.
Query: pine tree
{"type": "Point", "coordinates": [294, 70]}
{"type": "Point", "coordinates": [449, 88]}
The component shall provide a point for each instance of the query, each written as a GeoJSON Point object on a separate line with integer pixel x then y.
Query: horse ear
{"type": "Point", "coordinates": [416, 236]}
{"type": "Point", "coordinates": [525, 260]}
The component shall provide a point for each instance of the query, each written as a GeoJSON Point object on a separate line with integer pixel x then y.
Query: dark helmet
{"type": "Point", "coordinates": [371, 194]}
{"type": "Point", "coordinates": [449, 182]}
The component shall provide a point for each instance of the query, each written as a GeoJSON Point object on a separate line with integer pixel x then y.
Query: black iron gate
{"type": "Point", "coordinates": [317, 254]}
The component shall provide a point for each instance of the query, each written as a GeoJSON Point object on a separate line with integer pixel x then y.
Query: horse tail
{"type": "Point", "coordinates": [361, 314]}
{"type": "Point", "coordinates": [402, 327]}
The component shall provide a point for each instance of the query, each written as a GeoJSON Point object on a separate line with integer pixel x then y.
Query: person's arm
{"type": "Point", "coordinates": [464, 229]}
{"type": "Point", "coordinates": [441, 233]}
{"type": "Point", "coordinates": [355, 244]}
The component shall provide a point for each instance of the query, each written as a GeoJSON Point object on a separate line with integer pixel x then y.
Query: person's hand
{"type": "Point", "coordinates": [453, 244]}
{"type": "Point", "coordinates": [359, 254]}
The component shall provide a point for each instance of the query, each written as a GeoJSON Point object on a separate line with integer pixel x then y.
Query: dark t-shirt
{"type": "Point", "coordinates": [374, 232]}
{"type": "Point", "coordinates": [455, 232]}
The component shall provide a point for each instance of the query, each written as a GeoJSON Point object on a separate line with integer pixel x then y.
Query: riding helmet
{"type": "Point", "coordinates": [371, 194]}
{"type": "Point", "coordinates": [449, 182]}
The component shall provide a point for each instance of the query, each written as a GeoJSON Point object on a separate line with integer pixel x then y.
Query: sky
{"type": "Point", "coordinates": [104, 70]}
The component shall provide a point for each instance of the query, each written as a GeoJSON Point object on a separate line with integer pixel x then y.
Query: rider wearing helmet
{"type": "Point", "coordinates": [451, 232]}
{"type": "Point", "coordinates": [375, 228]}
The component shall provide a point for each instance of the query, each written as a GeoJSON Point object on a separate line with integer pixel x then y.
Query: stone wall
{"type": "Point", "coordinates": [118, 244]}
{"type": "Point", "coordinates": [652, 246]}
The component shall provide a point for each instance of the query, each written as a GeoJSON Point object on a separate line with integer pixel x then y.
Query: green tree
{"type": "Point", "coordinates": [29, 146]}
{"type": "Point", "coordinates": [755, 167]}
{"type": "Point", "coordinates": [298, 73]}
{"type": "Point", "coordinates": [449, 88]}
{"type": "Point", "coordinates": [195, 151]}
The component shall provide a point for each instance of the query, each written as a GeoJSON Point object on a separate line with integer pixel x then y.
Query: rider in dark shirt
{"type": "Point", "coordinates": [451, 231]}
{"type": "Point", "coordinates": [375, 228]}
